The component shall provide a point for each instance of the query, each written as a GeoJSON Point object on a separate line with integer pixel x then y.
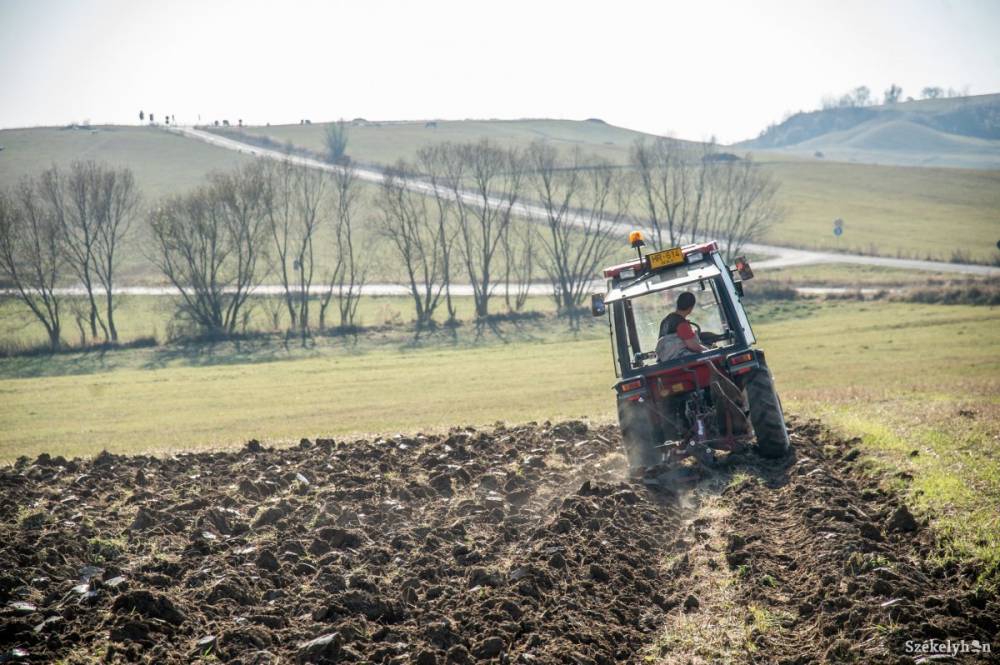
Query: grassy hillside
{"type": "Point", "coordinates": [958, 132]}
{"type": "Point", "coordinates": [888, 210]}
{"type": "Point", "coordinates": [386, 142]}
{"type": "Point", "coordinates": [163, 163]}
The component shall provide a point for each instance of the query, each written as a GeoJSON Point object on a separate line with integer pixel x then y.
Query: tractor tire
{"type": "Point", "coordinates": [640, 436]}
{"type": "Point", "coordinates": [766, 415]}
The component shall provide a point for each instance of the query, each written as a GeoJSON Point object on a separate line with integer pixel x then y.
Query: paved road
{"type": "Point", "coordinates": [781, 257]}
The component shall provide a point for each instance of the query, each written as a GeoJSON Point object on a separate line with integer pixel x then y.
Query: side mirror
{"type": "Point", "coordinates": [743, 268]}
{"type": "Point", "coordinates": [597, 307]}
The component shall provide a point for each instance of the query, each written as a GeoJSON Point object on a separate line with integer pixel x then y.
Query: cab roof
{"type": "Point", "coordinates": [649, 284]}
{"type": "Point", "coordinates": [636, 264]}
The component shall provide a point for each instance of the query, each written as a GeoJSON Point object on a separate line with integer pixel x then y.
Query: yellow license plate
{"type": "Point", "coordinates": [668, 257]}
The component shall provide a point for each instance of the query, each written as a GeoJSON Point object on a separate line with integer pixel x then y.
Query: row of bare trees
{"type": "Point", "coordinates": [453, 214]}
{"type": "Point", "coordinates": [68, 224]}
{"type": "Point", "coordinates": [216, 245]}
{"type": "Point", "coordinates": [691, 193]}
{"type": "Point", "coordinates": [461, 222]}
{"type": "Point", "coordinates": [458, 223]}
{"type": "Point", "coordinates": [456, 213]}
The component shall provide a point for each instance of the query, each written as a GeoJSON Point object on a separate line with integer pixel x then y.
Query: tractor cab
{"type": "Point", "coordinates": [641, 293]}
{"type": "Point", "coordinates": [691, 403]}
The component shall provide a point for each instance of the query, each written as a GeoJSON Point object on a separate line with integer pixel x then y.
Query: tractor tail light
{"type": "Point", "coordinates": [740, 359]}
{"type": "Point", "coordinates": [631, 385]}
{"type": "Point", "coordinates": [741, 363]}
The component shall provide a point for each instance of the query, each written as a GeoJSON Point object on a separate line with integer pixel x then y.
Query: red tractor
{"type": "Point", "coordinates": [689, 404]}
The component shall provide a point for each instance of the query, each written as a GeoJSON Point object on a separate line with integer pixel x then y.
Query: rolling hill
{"type": "Point", "coordinates": [386, 142]}
{"type": "Point", "coordinates": [890, 210]}
{"type": "Point", "coordinates": [163, 163]}
{"type": "Point", "coordinates": [955, 132]}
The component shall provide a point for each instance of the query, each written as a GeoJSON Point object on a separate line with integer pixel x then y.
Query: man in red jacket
{"type": "Point", "coordinates": [677, 335]}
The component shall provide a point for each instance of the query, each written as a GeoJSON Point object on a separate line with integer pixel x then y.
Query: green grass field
{"type": "Point", "coordinates": [151, 316]}
{"type": "Point", "coordinates": [903, 377]}
{"type": "Point", "coordinates": [920, 386]}
{"type": "Point", "coordinates": [851, 276]}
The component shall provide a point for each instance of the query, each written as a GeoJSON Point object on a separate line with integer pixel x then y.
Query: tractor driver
{"type": "Point", "coordinates": [677, 335]}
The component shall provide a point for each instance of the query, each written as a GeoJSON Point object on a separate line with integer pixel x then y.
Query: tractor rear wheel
{"type": "Point", "coordinates": [640, 436]}
{"type": "Point", "coordinates": [766, 415]}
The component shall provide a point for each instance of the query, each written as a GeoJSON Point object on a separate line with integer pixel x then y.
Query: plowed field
{"type": "Point", "coordinates": [517, 544]}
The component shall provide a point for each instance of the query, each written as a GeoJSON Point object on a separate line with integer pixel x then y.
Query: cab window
{"type": "Point", "coordinates": [649, 310]}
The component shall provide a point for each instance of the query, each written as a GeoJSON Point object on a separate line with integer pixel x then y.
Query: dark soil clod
{"type": "Point", "coordinates": [901, 520]}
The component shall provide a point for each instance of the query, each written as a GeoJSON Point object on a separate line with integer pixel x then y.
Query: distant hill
{"type": "Point", "coordinates": [383, 142]}
{"type": "Point", "coordinates": [960, 132]}
{"type": "Point", "coordinates": [163, 163]}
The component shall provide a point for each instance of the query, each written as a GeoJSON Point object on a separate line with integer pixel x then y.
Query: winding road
{"type": "Point", "coordinates": [780, 257]}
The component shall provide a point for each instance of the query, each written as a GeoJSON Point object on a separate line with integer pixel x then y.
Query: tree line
{"type": "Point", "coordinates": [453, 214]}
{"type": "Point", "coordinates": [862, 96]}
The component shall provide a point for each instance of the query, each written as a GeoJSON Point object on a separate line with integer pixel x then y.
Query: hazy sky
{"type": "Point", "coordinates": [689, 69]}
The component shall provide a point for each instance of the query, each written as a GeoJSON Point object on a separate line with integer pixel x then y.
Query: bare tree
{"type": "Point", "coordinates": [743, 205]}
{"type": "Point", "coordinates": [116, 203]}
{"type": "Point", "coordinates": [432, 160]}
{"type": "Point", "coordinates": [336, 142]}
{"type": "Point", "coordinates": [407, 220]}
{"type": "Point", "coordinates": [347, 278]}
{"type": "Point", "coordinates": [273, 307]}
{"type": "Point", "coordinates": [32, 256]}
{"type": "Point", "coordinates": [71, 200]}
{"type": "Point", "coordinates": [493, 175]}
{"type": "Point", "coordinates": [294, 208]}
{"type": "Point", "coordinates": [519, 259]}
{"type": "Point", "coordinates": [862, 96]}
{"type": "Point", "coordinates": [584, 201]}
{"type": "Point", "coordinates": [94, 206]}
{"type": "Point", "coordinates": [672, 186]}
{"type": "Point", "coordinates": [892, 94]}
{"type": "Point", "coordinates": [691, 195]}
{"type": "Point", "coordinates": [210, 245]}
